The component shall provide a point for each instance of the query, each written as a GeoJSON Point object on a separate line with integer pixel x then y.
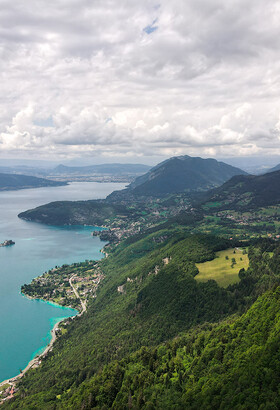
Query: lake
{"type": "Point", "coordinates": [26, 324]}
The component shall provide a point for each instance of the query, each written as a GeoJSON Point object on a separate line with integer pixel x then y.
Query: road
{"type": "Point", "coordinates": [84, 308]}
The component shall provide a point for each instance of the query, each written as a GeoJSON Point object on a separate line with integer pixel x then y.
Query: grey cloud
{"type": "Point", "coordinates": [82, 62]}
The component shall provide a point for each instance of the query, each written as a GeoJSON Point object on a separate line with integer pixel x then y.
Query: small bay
{"type": "Point", "coordinates": [26, 324]}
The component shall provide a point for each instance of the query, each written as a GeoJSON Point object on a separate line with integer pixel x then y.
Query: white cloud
{"type": "Point", "coordinates": [204, 82]}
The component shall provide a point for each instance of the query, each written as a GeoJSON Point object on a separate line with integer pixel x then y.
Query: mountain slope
{"type": "Point", "coordinates": [184, 173]}
{"type": "Point", "coordinates": [246, 192]}
{"type": "Point", "coordinates": [14, 181]}
{"type": "Point", "coordinates": [93, 212]}
{"type": "Point", "coordinates": [232, 365]}
{"type": "Point", "coordinates": [153, 307]}
{"type": "Point", "coordinates": [276, 168]}
{"type": "Point", "coordinates": [91, 364]}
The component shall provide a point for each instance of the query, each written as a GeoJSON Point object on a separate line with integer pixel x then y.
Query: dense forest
{"type": "Point", "coordinates": [245, 192]}
{"type": "Point", "coordinates": [234, 364]}
{"type": "Point", "coordinates": [93, 212]}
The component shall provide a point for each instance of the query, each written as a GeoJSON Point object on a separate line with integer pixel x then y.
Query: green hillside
{"type": "Point", "coordinates": [224, 269]}
{"type": "Point", "coordinates": [246, 192]}
{"type": "Point", "coordinates": [157, 301]}
{"type": "Point", "coordinates": [233, 365]}
{"type": "Point", "coordinates": [95, 212]}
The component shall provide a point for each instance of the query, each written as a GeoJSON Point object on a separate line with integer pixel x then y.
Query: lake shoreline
{"type": "Point", "coordinates": [54, 336]}
{"type": "Point", "coordinates": [49, 302]}
{"type": "Point", "coordinates": [36, 361]}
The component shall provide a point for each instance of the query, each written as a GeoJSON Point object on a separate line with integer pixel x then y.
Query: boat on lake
{"type": "Point", "coordinates": [7, 242]}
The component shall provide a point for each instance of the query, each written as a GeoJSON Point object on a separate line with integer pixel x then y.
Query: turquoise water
{"type": "Point", "coordinates": [26, 324]}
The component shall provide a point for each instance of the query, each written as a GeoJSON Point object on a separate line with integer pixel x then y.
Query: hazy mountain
{"type": "Point", "coordinates": [24, 170]}
{"type": "Point", "coordinates": [276, 168]}
{"type": "Point", "coordinates": [113, 169]}
{"type": "Point", "coordinates": [254, 165]}
{"type": "Point", "coordinates": [247, 191]}
{"type": "Point", "coordinates": [15, 181]}
{"type": "Point", "coordinates": [184, 173]}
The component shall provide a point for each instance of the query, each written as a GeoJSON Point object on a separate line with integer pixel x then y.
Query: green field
{"type": "Point", "coordinates": [222, 269]}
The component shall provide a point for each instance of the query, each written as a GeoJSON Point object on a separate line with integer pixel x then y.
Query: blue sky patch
{"type": "Point", "coordinates": [47, 122]}
{"type": "Point", "coordinates": [151, 27]}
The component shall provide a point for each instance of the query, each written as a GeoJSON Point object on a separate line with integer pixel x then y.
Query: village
{"type": "Point", "coordinates": [262, 220]}
{"type": "Point", "coordinates": [68, 285]}
{"type": "Point", "coordinates": [153, 212]}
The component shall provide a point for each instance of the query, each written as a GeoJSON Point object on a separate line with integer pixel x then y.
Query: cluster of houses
{"type": "Point", "coordinates": [246, 218]}
{"type": "Point", "coordinates": [7, 392]}
{"type": "Point", "coordinates": [55, 285]}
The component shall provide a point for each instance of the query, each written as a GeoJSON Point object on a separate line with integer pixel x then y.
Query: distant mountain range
{"type": "Point", "coordinates": [126, 172]}
{"type": "Point", "coordinates": [246, 192]}
{"type": "Point", "coordinates": [16, 181]}
{"type": "Point", "coordinates": [112, 169]}
{"type": "Point", "coordinates": [23, 170]}
{"type": "Point", "coordinates": [184, 174]}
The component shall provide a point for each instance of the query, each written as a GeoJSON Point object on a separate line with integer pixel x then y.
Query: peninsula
{"type": "Point", "coordinates": [9, 182]}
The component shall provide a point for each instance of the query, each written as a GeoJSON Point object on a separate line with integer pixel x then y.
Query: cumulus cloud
{"type": "Point", "coordinates": [139, 78]}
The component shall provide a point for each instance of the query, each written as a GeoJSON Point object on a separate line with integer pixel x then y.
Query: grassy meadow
{"type": "Point", "coordinates": [223, 269]}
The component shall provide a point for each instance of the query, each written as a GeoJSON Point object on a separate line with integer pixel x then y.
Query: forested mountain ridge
{"type": "Point", "coordinates": [143, 302]}
{"type": "Point", "coordinates": [179, 174]}
{"type": "Point", "coordinates": [234, 364]}
{"type": "Point", "coordinates": [17, 181]}
{"type": "Point", "coordinates": [246, 192]}
{"type": "Point", "coordinates": [95, 212]}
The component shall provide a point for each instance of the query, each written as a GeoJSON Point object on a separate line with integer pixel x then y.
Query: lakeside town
{"type": "Point", "coordinates": [68, 285]}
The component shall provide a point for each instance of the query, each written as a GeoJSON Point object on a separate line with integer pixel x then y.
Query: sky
{"type": "Point", "coordinates": [125, 80]}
